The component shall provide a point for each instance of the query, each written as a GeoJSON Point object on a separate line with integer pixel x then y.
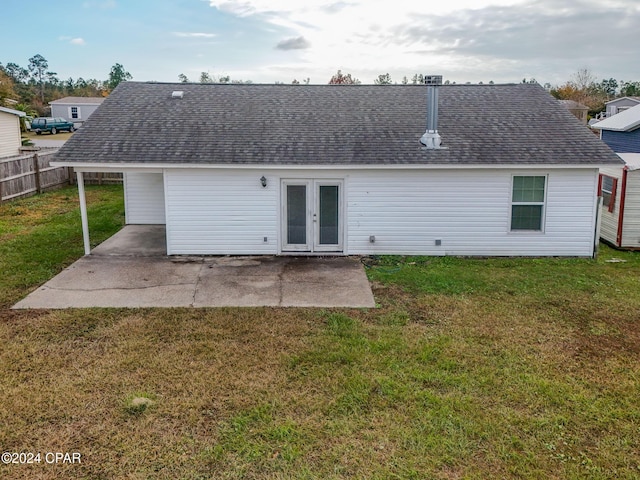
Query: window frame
{"type": "Point", "coordinates": [77, 117]}
{"type": "Point", "coordinates": [612, 194]}
{"type": "Point", "coordinates": [543, 204]}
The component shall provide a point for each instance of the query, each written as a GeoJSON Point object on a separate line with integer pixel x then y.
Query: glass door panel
{"type": "Point", "coordinates": [328, 206]}
{"type": "Point", "coordinates": [296, 214]}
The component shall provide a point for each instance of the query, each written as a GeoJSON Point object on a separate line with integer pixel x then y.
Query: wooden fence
{"type": "Point", "coordinates": [31, 173]}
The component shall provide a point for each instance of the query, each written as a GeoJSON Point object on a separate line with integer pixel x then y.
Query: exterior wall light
{"type": "Point", "coordinates": [263, 181]}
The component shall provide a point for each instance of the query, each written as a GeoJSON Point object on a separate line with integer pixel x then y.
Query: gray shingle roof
{"type": "Point", "coordinates": [331, 125]}
{"type": "Point", "coordinates": [78, 101]}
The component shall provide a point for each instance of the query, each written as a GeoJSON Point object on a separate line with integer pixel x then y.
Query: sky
{"type": "Point", "coordinates": [267, 41]}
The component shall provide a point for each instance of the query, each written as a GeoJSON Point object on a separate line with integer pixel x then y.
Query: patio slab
{"type": "Point", "coordinates": [112, 277]}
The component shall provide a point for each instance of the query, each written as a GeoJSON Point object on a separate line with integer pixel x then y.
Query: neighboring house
{"type": "Point", "coordinates": [620, 190]}
{"type": "Point", "coordinates": [333, 169]}
{"type": "Point", "coordinates": [578, 110]}
{"type": "Point", "coordinates": [10, 138]}
{"type": "Point", "coordinates": [618, 105]}
{"type": "Point", "coordinates": [620, 186]}
{"type": "Point", "coordinates": [75, 109]}
{"type": "Point", "coordinates": [622, 131]}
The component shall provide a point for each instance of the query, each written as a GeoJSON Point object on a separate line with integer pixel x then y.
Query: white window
{"type": "Point", "coordinates": [607, 190]}
{"type": "Point", "coordinates": [528, 203]}
{"type": "Point", "coordinates": [74, 112]}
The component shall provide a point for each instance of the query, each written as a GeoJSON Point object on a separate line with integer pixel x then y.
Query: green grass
{"type": "Point", "coordinates": [469, 368]}
{"type": "Point", "coordinates": [41, 235]}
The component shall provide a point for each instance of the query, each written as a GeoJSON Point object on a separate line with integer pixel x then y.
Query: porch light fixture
{"type": "Point", "coordinates": [263, 181]}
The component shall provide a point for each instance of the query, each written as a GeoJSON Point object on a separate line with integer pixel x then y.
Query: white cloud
{"type": "Point", "coordinates": [194, 35]}
{"type": "Point", "coordinates": [503, 40]}
{"type": "Point", "coordinates": [72, 40]}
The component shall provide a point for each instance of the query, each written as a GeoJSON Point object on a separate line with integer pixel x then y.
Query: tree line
{"type": "Point", "coordinates": [35, 85]}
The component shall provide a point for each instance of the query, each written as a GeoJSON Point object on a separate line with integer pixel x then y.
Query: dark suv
{"type": "Point", "coordinates": [51, 125]}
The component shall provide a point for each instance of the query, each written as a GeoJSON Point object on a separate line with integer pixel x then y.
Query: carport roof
{"type": "Point", "coordinates": [355, 125]}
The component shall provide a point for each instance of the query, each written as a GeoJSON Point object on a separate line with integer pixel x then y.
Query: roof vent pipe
{"type": "Point", "coordinates": [431, 138]}
{"type": "Point", "coordinates": [177, 94]}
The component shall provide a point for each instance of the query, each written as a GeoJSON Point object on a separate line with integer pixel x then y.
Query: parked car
{"type": "Point", "coordinates": [51, 125]}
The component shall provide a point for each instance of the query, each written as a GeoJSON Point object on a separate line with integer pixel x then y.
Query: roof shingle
{"type": "Point", "coordinates": [331, 125]}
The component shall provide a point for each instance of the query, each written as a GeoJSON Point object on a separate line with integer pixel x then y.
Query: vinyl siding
{"type": "Point", "coordinates": [10, 142]}
{"type": "Point", "coordinates": [64, 110]}
{"type": "Point", "coordinates": [631, 221]}
{"type": "Point", "coordinates": [622, 142]}
{"type": "Point", "coordinates": [221, 212]}
{"type": "Point", "coordinates": [144, 198]}
{"type": "Point", "coordinates": [609, 220]}
{"type": "Point", "coordinates": [468, 211]}
{"type": "Point", "coordinates": [227, 212]}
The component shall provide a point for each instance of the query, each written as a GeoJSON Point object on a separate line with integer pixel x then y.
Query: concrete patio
{"type": "Point", "coordinates": [131, 270]}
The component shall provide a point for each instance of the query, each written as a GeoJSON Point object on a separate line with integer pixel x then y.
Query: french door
{"type": "Point", "coordinates": [312, 216]}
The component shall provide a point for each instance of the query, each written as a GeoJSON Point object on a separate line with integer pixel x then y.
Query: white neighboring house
{"type": "Point", "coordinates": [613, 107]}
{"type": "Point", "coordinates": [620, 186]}
{"type": "Point", "coordinates": [10, 137]}
{"type": "Point", "coordinates": [75, 109]}
{"type": "Point", "coordinates": [620, 190]}
{"type": "Point", "coordinates": [333, 169]}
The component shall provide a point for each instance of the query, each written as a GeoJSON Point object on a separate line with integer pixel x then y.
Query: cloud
{"type": "Point", "coordinates": [72, 40]}
{"type": "Point", "coordinates": [502, 40]}
{"type": "Point", "coordinates": [295, 43]}
{"type": "Point", "coordinates": [194, 35]}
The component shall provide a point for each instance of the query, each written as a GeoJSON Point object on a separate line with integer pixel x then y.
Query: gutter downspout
{"type": "Point", "coordinates": [623, 195]}
{"type": "Point", "coordinates": [83, 213]}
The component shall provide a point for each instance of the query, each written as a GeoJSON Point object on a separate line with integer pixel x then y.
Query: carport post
{"type": "Point", "coordinates": [83, 213]}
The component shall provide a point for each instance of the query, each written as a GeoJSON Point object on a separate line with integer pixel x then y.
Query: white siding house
{"type": "Point", "coordinates": [620, 189]}
{"type": "Point", "coordinates": [428, 211]}
{"type": "Point", "coordinates": [264, 169]}
{"type": "Point", "coordinates": [10, 138]}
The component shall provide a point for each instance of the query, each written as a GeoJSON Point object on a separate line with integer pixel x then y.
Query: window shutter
{"type": "Point", "coordinates": [614, 189]}
{"type": "Point", "coordinates": [600, 185]}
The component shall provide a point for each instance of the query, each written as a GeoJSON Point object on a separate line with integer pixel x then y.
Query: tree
{"type": "Point", "coordinates": [629, 89]}
{"type": "Point", "coordinates": [23, 107]}
{"type": "Point", "coordinates": [6, 86]}
{"type": "Point", "coordinates": [205, 77]}
{"type": "Point", "coordinates": [15, 71]}
{"type": "Point", "coordinates": [384, 79]}
{"type": "Point", "coordinates": [609, 87]}
{"type": "Point", "coordinates": [38, 66]}
{"type": "Point", "coordinates": [117, 75]}
{"type": "Point", "coordinates": [183, 78]}
{"type": "Point", "coordinates": [341, 79]}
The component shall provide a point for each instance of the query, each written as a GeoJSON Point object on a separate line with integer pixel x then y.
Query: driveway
{"type": "Point", "coordinates": [117, 276]}
{"type": "Point", "coordinates": [47, 143]}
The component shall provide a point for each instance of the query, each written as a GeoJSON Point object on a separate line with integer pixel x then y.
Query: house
{"type": "Point", "coordinates": [620, 190]}
{"type": "Point", "coordinates": [622, 131]}
{"type": "Point", "coordinates": [577, 109]}
{"type": "Point", "coordinates": [621, 104]}
{"type": "Point", "coordinates": [335, 169]}
{"type": "Point", "coordinates": [10, 137]}
{"type": "Point", "coordinates": [75, 109]}
{"type": "Point", "coordinates": [620, 186]}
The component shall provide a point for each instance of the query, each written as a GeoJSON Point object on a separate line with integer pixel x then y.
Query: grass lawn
{"type": "Point", "coordinates": [469, 368]}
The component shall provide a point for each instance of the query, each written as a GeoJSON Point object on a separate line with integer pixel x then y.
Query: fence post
{"type": "Point", "coordinates": [36, 168]}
